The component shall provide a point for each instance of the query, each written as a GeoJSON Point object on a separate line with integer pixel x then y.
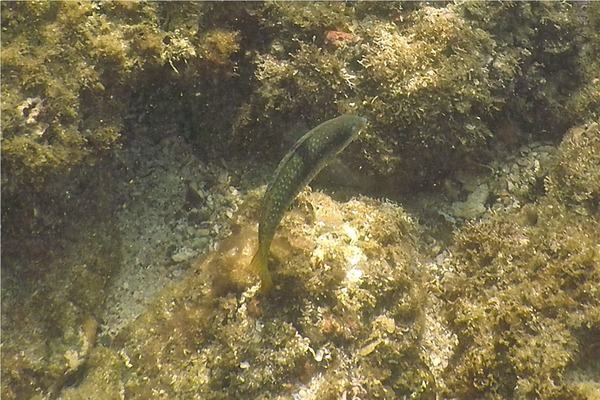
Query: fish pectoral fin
{"type": "Point", "coordinates": [259, 264]}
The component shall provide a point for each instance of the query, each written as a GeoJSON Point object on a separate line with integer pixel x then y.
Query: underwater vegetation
{"type": "Point", "coordinates": [523, 297]}
{"type": "Point", "coordinates": [434, 80]}
{"type": "Point", "coordinates": [70, 72]}
{"type": "Point", "coordinates": [512, 311]}
{"type": "Point", "coordinates": [365, 303]}
{"type": "Point", "coordinates": [346, 306]}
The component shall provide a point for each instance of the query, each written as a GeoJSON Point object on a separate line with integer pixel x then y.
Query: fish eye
{"type": "Point", "coordinates": [357, 127]}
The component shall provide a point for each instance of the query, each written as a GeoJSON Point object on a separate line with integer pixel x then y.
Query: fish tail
{"type": "Point", "coordinates": [259, 264]}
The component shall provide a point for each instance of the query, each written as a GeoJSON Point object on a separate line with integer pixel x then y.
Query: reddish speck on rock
{"type": "Point", "coordinates": [338, 37]}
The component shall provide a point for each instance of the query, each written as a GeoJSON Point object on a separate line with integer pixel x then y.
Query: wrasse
{"type": "Point", "coordinates": [309, 155]}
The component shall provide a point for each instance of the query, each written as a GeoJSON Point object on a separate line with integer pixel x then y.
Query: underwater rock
{"type": "Point", "coordinates": [520, 287]}
{"type": "Point", "coordinates": [474, 205]}
{"type": "Point", "coordinates": [338, 288]}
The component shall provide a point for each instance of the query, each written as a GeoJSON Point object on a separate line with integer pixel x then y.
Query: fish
{"type": "Point", "coordinates": [308, 156]}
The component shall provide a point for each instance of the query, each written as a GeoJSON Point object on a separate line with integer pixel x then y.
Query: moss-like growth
{"type": "Point", "coordinates": [586, 101]}
{"type": "Point", "coordinates": [575, 177]}
{"type": "Point", "coordinates": [69, 71]}
{"type": "Point", "coordinates": [105, 372]}
{"type": "Point", "coordinates": [429, 88]}
{"type": "Point", "coordinates": [433, 81]}
{"type": "Point", "coordinates": [344, 316]}
{"type": "Point", "coordinates": [524, 298]}
{"type": "Point", "coordinates": [347, 314]}
{"type": "Point", "coordinates": [52, 291]}
{"type": "Point", "coordinates": [51, 53]}
{"type": "Point", "coordinates": [78, 77]}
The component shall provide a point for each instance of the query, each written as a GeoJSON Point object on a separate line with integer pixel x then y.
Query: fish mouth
{"type": "Point", "coordinates": [363, 122]}
{"type": "Point", "coordinates": [359, 126]}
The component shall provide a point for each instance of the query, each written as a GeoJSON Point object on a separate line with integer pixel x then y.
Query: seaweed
{"type": "Point", "coordinates": [524, 291]}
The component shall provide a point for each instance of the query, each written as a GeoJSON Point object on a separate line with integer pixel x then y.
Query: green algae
{"type": "Point", "coordinates": [51, 299]}
{"type": "Point", "coordinates": [519, 294]}
{"type": "Point", "coordinates": [349, 313]}
{"type": "Point", "coordinates": [322, 334]}
{"type": "Point", "coordinates": [69, 71]}
{"type": "Point", "coordinates": [574, 179]}
{"type": "Point", "coordinates": [523, 299]}
{"type": "Point", "coordinates": [434, 80]}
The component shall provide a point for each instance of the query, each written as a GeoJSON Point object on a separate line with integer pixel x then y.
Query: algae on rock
{"type": "Point", "coordinates": [523, 298]}
{"type": "Point", "coordinates": [71, 70]}
{"type": "Point", "coordinates": [351, 311]}
{"type": "Point", "coordinates": [434, 82]}
{"type": "Point", "coordinates": [345, 316]}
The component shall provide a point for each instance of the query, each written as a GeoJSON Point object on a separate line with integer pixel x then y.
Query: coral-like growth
{"type": "Point", "coordinates": [434, 82]}
{"type": "Point", "coordinates": [525, 298]}
{"type": "Point", "coordinates": [575, 178]}
{"type": "Point", "coordinates": [69, 71]}
{"type": "Point", "coordinates": [344, 316]}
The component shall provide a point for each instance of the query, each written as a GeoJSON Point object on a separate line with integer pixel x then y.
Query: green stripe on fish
{"type": "Point", "coordinates": [308, 156]}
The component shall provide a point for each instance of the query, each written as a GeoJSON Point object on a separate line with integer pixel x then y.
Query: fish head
{"type": "Point", "coordinates": [357, 123]}
{"type": "Point", "coordinates": [353, 126]}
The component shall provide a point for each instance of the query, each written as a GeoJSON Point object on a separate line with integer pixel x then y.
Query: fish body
{"type": "Point", "coordinates": [309, 155]}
